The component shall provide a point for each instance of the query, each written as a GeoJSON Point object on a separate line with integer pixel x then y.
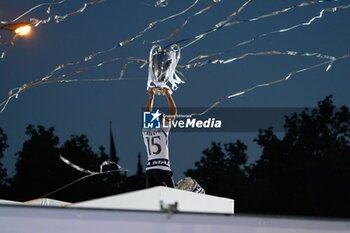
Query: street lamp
{"type": "Point", "coordinates": [20, 28]}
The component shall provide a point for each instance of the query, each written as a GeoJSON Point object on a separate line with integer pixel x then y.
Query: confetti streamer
{"type": "Point", "coordinates": [60, 18]}
{"type": "Point", "coordinates": [227, 22]}
{"type": "Point", "coordinates": [278, 12]}
{"type": "Point", "coordinates": [245, 55]}
{"type": "Point", "coordinates": [288, 76]}
{"type": "Point", "coordinates": [307, 23]}
{"type": "Point", "coordinates": [86, 171]}
{"type": "Point", "coordinates": [218, 26]}
{"type": "Point", "coordinates": [16, 91]}
{"type": "Point", "coordinates": [161, 3]}
{"type": "Point", "coordinates": [74, 182]}
{"type": "Point", "coordinates": [48, 10]}
{"type": "Point", "coordinates": [11, 44]}
{"type": "Point", "coordinates": [76, 167]}
{"type": "Point", "coordinates": [154, 23]}
{"type": "Point", "coordinates": [178, 29]}
{"type": "Point", "coordinates": [48, 79]}
{"type": "Point", "coordinates": [194, 62]}
{"type": "Point", "coordinates": [119, 44]}
{"type": "Point", "coordinates": [63, 78]}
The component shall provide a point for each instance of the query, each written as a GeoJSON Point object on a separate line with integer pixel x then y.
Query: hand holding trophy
{"type": "Point", "coordinates": [162, 68]}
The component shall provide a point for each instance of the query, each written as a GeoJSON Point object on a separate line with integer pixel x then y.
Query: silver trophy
{"type": "Point", "coordinates": [162, 68]}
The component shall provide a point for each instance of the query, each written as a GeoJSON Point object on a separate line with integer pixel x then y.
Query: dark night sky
{"type": "Point", "coordinates": [87, 107]}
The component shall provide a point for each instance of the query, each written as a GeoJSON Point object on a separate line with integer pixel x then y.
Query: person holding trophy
{"type": "Point", "coordinates": [158, 170]}
{"type": "Point", "coordinates": [162, 65]}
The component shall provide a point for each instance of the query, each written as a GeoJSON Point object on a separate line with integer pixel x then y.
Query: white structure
{"type": "Point", "coordinates": [142, 211]}
{"type": "Point", "coordinates": [158, 198]}
{"type": "Point", "coordinates": [47, 202]}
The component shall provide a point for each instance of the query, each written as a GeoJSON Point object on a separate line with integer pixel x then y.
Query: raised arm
{"type": "Point", "coordinates": [150, 101]}
{"type": "Point", "coordinates": [171, 104]}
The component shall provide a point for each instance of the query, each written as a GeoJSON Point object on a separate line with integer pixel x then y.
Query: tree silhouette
{"type": "Point", "coordinates": [221, 172]}
{"type": "Point", "coordinates": [36, 163]}
{"type": "Point", "coordinates": [78, 151]}
{"type": "Point", "coordinates": [307, 171]}
{"type": "Point", "coordinates": [40, 171]}
{"type": "Point", "coordinates": [304, 172]}
{"type": "Point", "coordinates": [3, 173]}
{"type": "Point", "coordinates": [137, 181]}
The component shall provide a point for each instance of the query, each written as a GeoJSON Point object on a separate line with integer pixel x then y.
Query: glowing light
{"type": "Point", "coordinates": [23, 30]}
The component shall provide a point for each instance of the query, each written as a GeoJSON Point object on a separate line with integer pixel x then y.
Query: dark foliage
{"type": "Point", "coordinates": [306, 172]}
{"type": "Point", "coordinates": [3, 174]}
{"type": "Point", "coordinates": [39, 169]}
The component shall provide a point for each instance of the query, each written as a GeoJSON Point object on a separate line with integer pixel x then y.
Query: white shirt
{"type": "Point", "coordinates": [156, 142]}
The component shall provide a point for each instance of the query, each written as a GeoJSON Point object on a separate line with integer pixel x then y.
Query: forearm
{"type": "Point", "coordinates": [149, 105]}
{"type": "Point", "coordinates": [171, 105]}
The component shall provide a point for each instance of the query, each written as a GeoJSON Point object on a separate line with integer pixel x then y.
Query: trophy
{"type": "Point", "coordinates": [162, 68]}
